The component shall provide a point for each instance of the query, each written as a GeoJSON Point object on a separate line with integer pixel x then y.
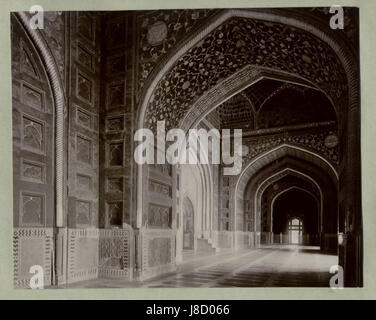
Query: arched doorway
{"type": "Point", "coordinates": [196, 98]}
{"type": "Point", "coordinates": [295, 217]}
{"type": "Point", "coordinates": [279, 183]}
{"type": "Point", "coordinates": [305, 169]}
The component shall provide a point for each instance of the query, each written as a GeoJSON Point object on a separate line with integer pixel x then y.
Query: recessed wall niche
{"type": "Point", "coordinates": [86, 26]}
{"type": "Point", "coordinates": [32, 212]}
{"type": "Point", "coordinates": [83, 182]}
{"type": "Point", "coordinates": [84, 87]}
{"type": "Point", "coordinates": [32, 171]}
{"type": "Point", "coordinates": [115, 124]}
{"type": "Point", "coordinates": [33, 133]}
{"type": "Point", "coordinates": [84, 149]}
{"type": "Point", "coordinates": [31, 96]}
{"type": "Point", "coordinates": [115, 154]}
{"type": "Point", "coordinates": [83, 118]}
{"type": "Point", "coordinates": [115, 65]}
{"type": "Point", "coordinates": [115, 95]}
{"type": "Point", "coordinates": [118, 34]}
{"type": "Point", "coordinates": [115, 184]}
{"type": "Point", "coordinates": [114, 213]}
{"type": "Point", "coordinates": [85, 57]}
{"type": "Point", "coordinates": [83, 213]}
{"type": "Point", "coordinates": [159, 216]}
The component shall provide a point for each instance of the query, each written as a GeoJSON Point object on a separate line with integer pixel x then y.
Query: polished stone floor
{"type": "Point", "coordinates": [268, 266]}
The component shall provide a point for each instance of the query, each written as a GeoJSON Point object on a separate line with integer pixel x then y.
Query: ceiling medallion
{"type": "Point", "coordinates": [331, 141]}
{"type": "Point", "coordinates": [157, 33]}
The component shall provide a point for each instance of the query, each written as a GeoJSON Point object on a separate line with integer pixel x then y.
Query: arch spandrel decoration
{"type": "Point", "coordinates": [160, 32]}
{"type": "Point", "coordinates": [289, 172]}
{"type": "Point", "coordinates": [224, 52]}
{"type": "Point", "coordinates": [258, 162]}
{"type": "Point", "coordinates": [312, 141]}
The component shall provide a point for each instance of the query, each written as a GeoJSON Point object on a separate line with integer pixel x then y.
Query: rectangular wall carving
{"type": "Point", "coordinates": [115, 64]}
{"type": "Point", "coordinates": [84, 150]}
{"type": "Point", "coordinates": [84, 119]}
{"type": "Point", "coordinates": [33, 134]}
{"type": "Point", "coordinates": [82, 254]}
{"type": "Point", "coordinates": [32, 171]}
{"type": "Point", "coordinates": [83, 182]}
{"type": "Point", "coordinates": [86, 26]}
{"type": "Point", "coordinates": [84, 88]}
{"type": "Point", "coordinates": [114, 213]}
{"type": "Point", "coordinates": [159, 188]}
{"type": "Point", "coordinates": [158, 252]}
{"type": "Point", "coordinates": [32, 209]}
{"type": "Point", "coordinates": [115, 154]}
{"type": "Point", "coordinates": [32, 96]}
{"type": "Point", "coordinates": [115, 124]}
{"type": "Point", "coordinates": [83, 213]}
{"type": "Point", "coordinates": [85, 57]}
{"type": "Point", "coordinates": [115, 95]}
{"type": "Point", "coordinates": [31, 246]}
{"type": "Point", "coordinates": [94, 253]}
{"type": "Point", "coordinates": [115, 184]}
{"type": "Point", "coordinates": [115, 252]}
{"type": "Point", "coordinates": [159, 216]}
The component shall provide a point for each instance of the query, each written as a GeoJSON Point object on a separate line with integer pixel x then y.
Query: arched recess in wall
{"type": "Point", "coordinates": [205, 184]}
{"type": "Point", "coordinates": [254, 172]}
{"type": "Point", "coordinates": [246, 75]}
{"type": "Point", "coordinates": [59, 101]}
{"type": "Point", "coordinates": [276, 177]}
{"type": "Point", "coordinates": [287, 190]}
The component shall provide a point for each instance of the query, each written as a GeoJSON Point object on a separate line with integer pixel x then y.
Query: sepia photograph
{"type": "Point", "coordinates": [186, 148]}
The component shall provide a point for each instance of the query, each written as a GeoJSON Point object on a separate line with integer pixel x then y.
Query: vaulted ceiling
{"type": "Point", "coordinates": [270, 103]}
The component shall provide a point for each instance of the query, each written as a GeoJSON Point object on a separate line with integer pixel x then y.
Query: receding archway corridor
{"type": "Point", "coordinates": [248, 126]}
{"type": "Point", "coordinates": [267, 266]}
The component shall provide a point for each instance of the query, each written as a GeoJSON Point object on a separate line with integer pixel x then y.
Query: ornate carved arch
{"type": "Point", "coordinates": [285, 149]}
{"type": "Point", "coordinates": [345, 62]}
{"type": "Point", "coordinates": [257, 166]}
{"type": "Point", "coordinates": [281, 174]}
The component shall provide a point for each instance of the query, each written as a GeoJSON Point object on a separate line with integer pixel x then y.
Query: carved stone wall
{"type": "Point", "coordinates": [103, 253]}
{"type": "Point", "coordinates": [116, 250]}
{"type": "Point", "coordinates": [83, 258]}
{"type": "Point", "coordinates": [231, 47]}
{"type": "Point", "coordinates": [159, 32]}
{"type": "Point", "coordinates": [33, 136]}
{"type": "Point", "coordinates": [32, 246]}
{"type": "Point", "coordinates": [158, 252]}
{"type": "Point", "coordinates": [116, 122]}
{"type": "Point", "coordinates": [83, 112]}
{"type": "Point", "coordinates": [314, 139]}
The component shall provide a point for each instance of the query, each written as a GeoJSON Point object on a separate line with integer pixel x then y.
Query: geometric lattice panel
{"type": "Point", "coordinates": [31, 246]}
{"type": "Point", "coordinates": [158, 251]}
{"type": "Point", "coordinates": [82, 254]}
{"type": "Point", "coordinates": [115, 252]}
